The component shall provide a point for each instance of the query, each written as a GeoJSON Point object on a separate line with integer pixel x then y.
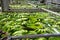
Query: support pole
{"type": "Point", "coordinates": [5, 5]}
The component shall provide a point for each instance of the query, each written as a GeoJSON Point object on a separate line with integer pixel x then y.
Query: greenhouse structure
{"type": "Point", "coordinates": [29, 19]}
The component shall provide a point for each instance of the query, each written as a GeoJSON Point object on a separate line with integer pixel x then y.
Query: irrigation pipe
{"type": "Point", "coordinates": [34, 36]}
{"type": "Point", "coordinates": [50, 11]}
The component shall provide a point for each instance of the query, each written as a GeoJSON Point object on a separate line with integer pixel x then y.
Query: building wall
{"type": "Point", "coordinates": [53, 1]}
{"type": "Point", "coordinates": [47, 1]}
{"type": "Point", "coordinates": [56, 1]}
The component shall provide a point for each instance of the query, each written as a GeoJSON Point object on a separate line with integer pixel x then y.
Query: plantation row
{"type": "Point", "coordinates": [17, 24]}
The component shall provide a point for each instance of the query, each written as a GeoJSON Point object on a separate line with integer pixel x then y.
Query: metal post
{"type": "Point", "coordinates": [5, 5]}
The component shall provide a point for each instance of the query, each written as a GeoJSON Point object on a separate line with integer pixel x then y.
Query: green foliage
{"type": "Point", "coordinates": [17, 24]}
